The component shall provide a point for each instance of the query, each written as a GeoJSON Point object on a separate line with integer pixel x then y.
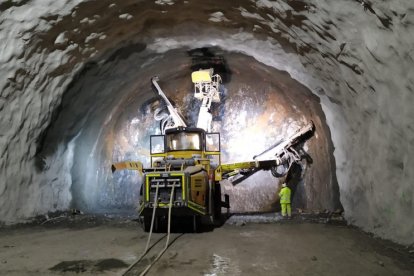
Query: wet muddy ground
{"type": "Point", "coordinates": [244, 245]}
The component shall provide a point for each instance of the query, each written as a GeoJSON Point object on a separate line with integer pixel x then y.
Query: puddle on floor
{"type": "Point", "coordinates": [222, 266]}
{"type": "Point", "coordinates": [80, 266]}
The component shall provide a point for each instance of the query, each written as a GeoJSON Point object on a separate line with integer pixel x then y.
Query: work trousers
{"type": "Point", "coordinates": [286, 207]}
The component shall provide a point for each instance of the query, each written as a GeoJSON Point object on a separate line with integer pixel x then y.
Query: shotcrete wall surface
{"type": "Point", "coordinates": [73, 72]}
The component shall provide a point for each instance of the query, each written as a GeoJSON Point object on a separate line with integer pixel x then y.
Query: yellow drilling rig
{"type": "Point", "coordinates": [184, 179]}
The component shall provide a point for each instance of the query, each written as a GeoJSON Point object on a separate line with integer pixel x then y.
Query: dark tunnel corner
{"type": "Point", "coordinates": [49, 139]}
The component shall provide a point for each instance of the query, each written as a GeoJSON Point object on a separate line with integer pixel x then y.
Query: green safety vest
{"type": "Point", "coordinates": [284, 195]}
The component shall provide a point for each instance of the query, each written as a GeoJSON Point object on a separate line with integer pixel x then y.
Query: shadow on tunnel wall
{"type": "Point", "coordinates": [61, 129]}
{"type": "Point", "coordinates": [76, 106]}
{"type": "Point", "coordinates": [72, 118]}
{"type": "Point", "coordinates": [84, 111]}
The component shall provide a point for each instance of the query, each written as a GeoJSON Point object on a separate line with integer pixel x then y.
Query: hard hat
{"type": "Point", "coordinates": [284, 185]}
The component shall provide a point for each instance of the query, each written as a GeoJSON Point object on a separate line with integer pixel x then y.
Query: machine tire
{"type": "Point", "coordinates": [146, 223]}
{"type": "Point", "coordinates": [196, 224]}
{"type": "Point", "coordinates": [217, 204]}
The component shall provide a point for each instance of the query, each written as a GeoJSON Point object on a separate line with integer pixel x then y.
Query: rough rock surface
{"type": "Point", "coordinates": [355, 55]}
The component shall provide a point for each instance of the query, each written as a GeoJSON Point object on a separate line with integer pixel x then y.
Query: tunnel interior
{"type": "Point", "coordinates": [111, 121]}
{"type": "Point", "coordinates": [76, 97]}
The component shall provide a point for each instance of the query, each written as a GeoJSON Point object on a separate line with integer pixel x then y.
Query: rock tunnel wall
{"type": "Point", "coordinates": [357, 58]}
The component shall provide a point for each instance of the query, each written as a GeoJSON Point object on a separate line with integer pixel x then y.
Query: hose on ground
{"type": "Point", "coordinates": [149, 236]}
{"type": "Point", "coordinates": [168, 235]}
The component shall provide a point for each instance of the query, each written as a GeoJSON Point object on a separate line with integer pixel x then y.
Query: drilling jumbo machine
{"type": "Point", "coordinates": [184, 179]}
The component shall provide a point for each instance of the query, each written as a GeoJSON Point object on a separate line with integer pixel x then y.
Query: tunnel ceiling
{"type": "Point", "coordinates": [355, 58]}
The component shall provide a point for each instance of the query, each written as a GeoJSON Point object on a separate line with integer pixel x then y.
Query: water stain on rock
{"type": "Point", "coordinates": [72, 266]}
{"type": "Point", "coordinates": [107, 264]}
{"type": "Point", "coordinates": [188, 262]}
{"type": "Point", "coordinates": [80, 266]}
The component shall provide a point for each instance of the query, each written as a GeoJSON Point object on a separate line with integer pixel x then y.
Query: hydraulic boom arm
{"type": "Point", "coordinates": [174, 118]}
{"type": "Point", "coordinates": [206, 89]}
{"type": "Point", "coordinates": [284, 152]}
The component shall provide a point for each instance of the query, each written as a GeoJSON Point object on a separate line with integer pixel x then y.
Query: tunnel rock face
{"type": "Point", "coordinates": [72, 72]}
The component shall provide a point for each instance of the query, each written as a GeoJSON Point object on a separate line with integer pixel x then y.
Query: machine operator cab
{"type": "Point", "coordinates": [185, 143]}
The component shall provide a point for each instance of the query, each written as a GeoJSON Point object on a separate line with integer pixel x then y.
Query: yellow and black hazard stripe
{"type": "Point", "coordinates": [198, 208]}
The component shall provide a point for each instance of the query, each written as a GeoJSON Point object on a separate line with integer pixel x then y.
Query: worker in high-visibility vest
{"type": "Point", "coordinates": [284, 195]}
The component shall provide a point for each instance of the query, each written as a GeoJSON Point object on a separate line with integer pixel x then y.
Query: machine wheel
{"type": "Point", "coordinates": [217, 204]}
{"type": "Point", "coordinates": [196, 224]}
{"type": "Point", "coordinates": [146, 223]}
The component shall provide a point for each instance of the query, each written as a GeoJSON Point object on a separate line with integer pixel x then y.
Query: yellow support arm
{"type": "Point", "coordinates": [232, 169]}
{"type": "Point", "coordinates": [127, 165]}
{"type": "Point", "coordinates": [240, 165]}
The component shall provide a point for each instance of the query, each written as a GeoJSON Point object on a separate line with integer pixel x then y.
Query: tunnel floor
{"type": "Point", "coordinates": [90, 246]}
